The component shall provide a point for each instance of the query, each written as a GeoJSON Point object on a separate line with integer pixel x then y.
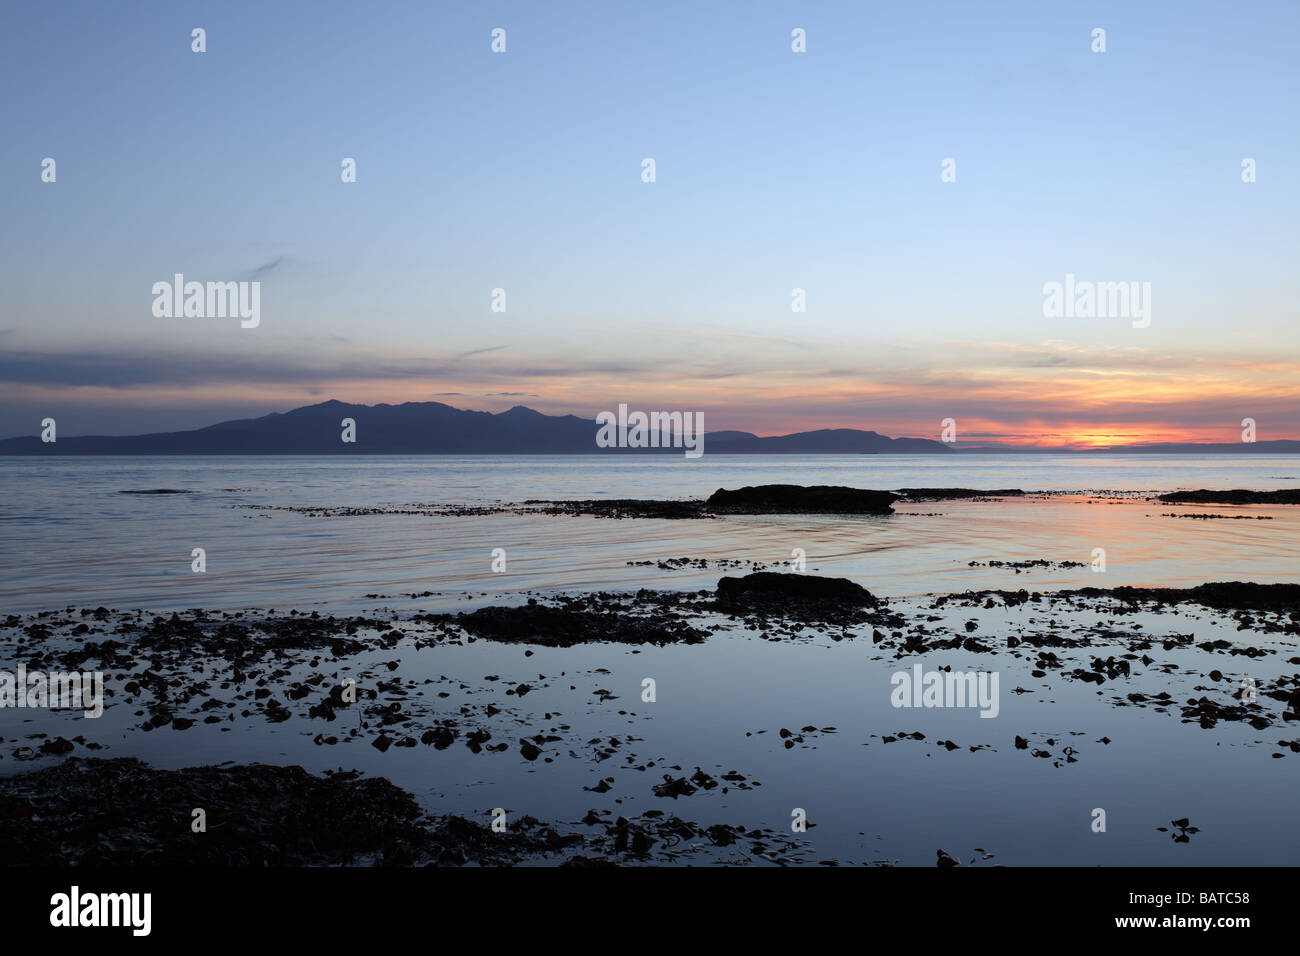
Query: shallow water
{"type": "Point", "coordinates": [720, 706]}
{"type": "Point", "coordinates": [70, 538]}
{"type": "Point", "coordinates": [67, 535]}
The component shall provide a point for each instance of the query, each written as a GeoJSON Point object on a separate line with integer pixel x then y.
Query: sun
{"type": "Point", "coordinates": [1093, 439]}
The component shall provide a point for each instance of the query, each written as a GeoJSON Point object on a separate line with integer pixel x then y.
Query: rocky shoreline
{"type": "Point", "coordinates": [240, 670]}
{"type": "Point", "coordinates": [122, 812]}
{"type": "Point", "coordinates": [763, 500]}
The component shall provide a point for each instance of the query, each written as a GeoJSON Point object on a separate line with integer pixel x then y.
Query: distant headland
{"type": "Point", "coordinates": [433, 428]}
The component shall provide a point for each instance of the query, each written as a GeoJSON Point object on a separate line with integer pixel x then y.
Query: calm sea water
{"type": "Point", "coordinates": [68, 536]}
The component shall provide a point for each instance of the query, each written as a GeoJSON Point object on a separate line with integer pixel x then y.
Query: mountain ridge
{"type": "Point", "coordinates": [435, 428]}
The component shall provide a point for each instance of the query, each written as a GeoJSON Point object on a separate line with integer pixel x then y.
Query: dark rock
{"type": "Point", "coordinates": [942, 494]}
{"type": "Point", "coordinates": [799, 499]}
{"type": "Point", "coordinates": [773, 587]}
{"type": "Point", "coordinates": [1222, 595]}
{"type": "Point", "coordinates": [1235, 496]}
{"type": "Point", "coordinates": [673, 787]}
{"type": "Point", "coordinates": [565, 627]}
{"type": "Point", "coordinates": [123, 813]}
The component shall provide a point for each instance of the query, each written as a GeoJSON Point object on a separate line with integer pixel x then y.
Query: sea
{"type": "Point", "coordinates": [76, 533]}
{"type": "Point", "coordinates": [70, 533]}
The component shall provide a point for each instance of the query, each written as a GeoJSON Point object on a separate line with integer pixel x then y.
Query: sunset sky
{"type": "Point", "coordinates": [774, 171]}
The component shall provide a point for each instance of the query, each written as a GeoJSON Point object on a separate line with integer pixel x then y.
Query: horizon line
{"type": "Point", "coordinates": [989, 445]}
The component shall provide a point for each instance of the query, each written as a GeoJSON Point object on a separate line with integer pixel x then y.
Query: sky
{"type": "Point", "coordinates": [773, 171]}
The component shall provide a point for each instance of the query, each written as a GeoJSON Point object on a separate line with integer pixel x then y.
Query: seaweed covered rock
{"type": "Point", "coordinates": [1234, 496]}
{"type": "Point", "coordinates": [122, 812]}
{"type": "Point", "coordinates": [764, 589]}
{"type": "Point", "coordinates": [949, 494]}
{"type": "Point", "coordinates": [534, 623]}
{"type": "Point", "coordinates": [800, 499]}
{"type": "Point", "coordinates": [1221, 595]}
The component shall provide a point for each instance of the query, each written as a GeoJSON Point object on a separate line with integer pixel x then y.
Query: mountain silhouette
{"type": "Point", "coordinates": [432, 428]}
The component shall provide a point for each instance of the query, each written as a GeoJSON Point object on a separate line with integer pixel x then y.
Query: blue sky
{"type": "Point", "coordinates": [775, 170]}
